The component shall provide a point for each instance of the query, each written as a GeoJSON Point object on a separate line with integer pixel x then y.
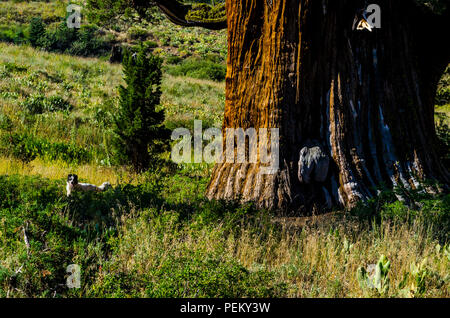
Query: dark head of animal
{"type": "Point", "coordinates": [72, 179]}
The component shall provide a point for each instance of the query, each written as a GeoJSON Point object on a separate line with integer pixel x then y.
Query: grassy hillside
{"type": "Point", "coordinates": [166, 38]}
{"type": "Point", "coordinates": [154, 234]}
{"type": "Point", "coordinates": [29, 78]}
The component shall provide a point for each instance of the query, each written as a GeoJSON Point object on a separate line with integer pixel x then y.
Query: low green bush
{"type": "Point", "coordinates": [19, 146]}
{"type": "Point", "coordinates": [33, 104]}
{"type": "Point", "coordinates": [16, 34]}
{"type": "Point", "coordinates": [433, 211]}
{"type": "Point", "coordinates": [203, 12]}
{"type": "Point", "coordinates": [137, 33]}
{"type": "Point", "coordinates": [88, 43]}
{"type": "Point", "coordinates": [38, 104]}
{"type": "Point", "coordinates": [59, 39]}
{"type": "Point", "coordinates": [443, 90]}
{"type": "Point", "coordinates": [199, 68]}
{"type": "Point", "coordinates": [443, 134]}
{"type": "Point", "coordinates": [83, 42]}
{"type": "Point", "coordinates": [36, 31]}
{"type": "Point", "coordinates": [419, 206]}
{"type": "Point", "coordinates": [26, 148]}
{"type": "Point", "coordinates": [150, 44]}
{"type": "Point", "coordinates": [14, 68]}
{"type": "Point", "coordinates": [173, 59]}
{"type": "Point", "coordinates": [6, 123]}
{"type": "Point", "coordinates": [57, 103]}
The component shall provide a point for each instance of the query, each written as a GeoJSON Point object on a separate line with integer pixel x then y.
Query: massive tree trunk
{"type": "Point", "coordinates": [363, 100]}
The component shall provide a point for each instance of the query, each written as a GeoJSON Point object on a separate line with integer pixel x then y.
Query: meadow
{"type": "Point", "coordinates": [154, 234]}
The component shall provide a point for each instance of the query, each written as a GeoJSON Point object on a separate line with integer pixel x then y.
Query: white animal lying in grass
{"type": "Point", "coordinates": [73, 185]}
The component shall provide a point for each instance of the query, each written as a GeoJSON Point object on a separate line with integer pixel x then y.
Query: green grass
{"type": "Point", "coordinates": [444, 110]}
{"type": "Point", "coordinates": [21, 12]}
{"type": "Point", "coordinates": [197, 68]}
{"type": "Point", "coordinates": [150, 241]}
{"type": "Point", "coordinates": [443, 92]}
{"type": "Point", "coordinates": [29, 76]}
{"type": "Point", "coordinates": [130, 30]}
{"type": "Point", "coordinates": [154, 234]}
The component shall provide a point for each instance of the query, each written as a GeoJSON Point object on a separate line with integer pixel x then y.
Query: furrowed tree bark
{"type": "Point", "coordinates": [360, 102]}
{"type": "Point", "coordinates": [365, 98]}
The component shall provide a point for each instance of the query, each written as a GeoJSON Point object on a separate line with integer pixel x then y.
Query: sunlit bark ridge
{"type": "Point", "coordinates": [354, 108]}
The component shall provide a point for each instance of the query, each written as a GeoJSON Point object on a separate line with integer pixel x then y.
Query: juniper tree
{"type": "Point", "coordinates": [139, 133]}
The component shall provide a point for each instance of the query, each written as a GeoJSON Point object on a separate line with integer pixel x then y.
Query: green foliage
{"type": "Point", "coordinates": [207, 13]}
{"type": "Point", "coordinates": [173, 59]}
{"type": "Point", "coordinates": [56, 103]}
{"type": "Point", "coordinates": [432, 210]}
{"type": "Point", "coordinates": [420, 279]}
{"type": "Point", "coordinates": [105, 11]}
{"type": "Point", "coordinates": [375, 278]}
{"type": "Point", "coordinates": [83, 230]}
{"type": "Point", "coordinates": [20, 146]}
{"type": "Point", "coordinates": [88, 43]}
{"type": "Point", "coordinates": [206, 275]}
{"type": "Point", "coordinates": [6, 123]}
{"type": "Point", "coordinates": [114, 18]}
{"type": "Point", "coordinates": [443, 91]}
{"type": "Point", "coordinates": [82, 42]}
{"type": "Point", "coordinates": [91, 229]}
{"type": "Point", "coordinates": [443, 133]}
{"type": "Point", "coordinates": [16, 34]}
{"type": "Point", "coordinates": [26, 148]}
{"type": "Point", "coordinates": [137, 33]}
{"type": "Point", "coordinates": [199, 68]}
{"type": "Point", "coordinates": [59, 39]}
{"type": "Point", "coordinates": [38, 104]}
{"type": "Point", "coordinates": [192, 275]}
{"type": "Point", "coordinates": [150, 44]}
{"type": "Point", "coordinates": [14, 68]}
{"type": "Point", "coordinates": [429, 209]}
{"type": "Point", "coordinates": [419, 273]}
{"type": "Point", "coordinates": [98, 231]}
{"type": "Point", "coordinates": [184, 272]}
{"type": "Point", "coordinates": [34, 207]}
{"type": "Point", "coordinates": [60, 231]}
{"type": "Point", "coordinates": [140, 135]}
{"type": "Point", "coordinates": [36, 32]}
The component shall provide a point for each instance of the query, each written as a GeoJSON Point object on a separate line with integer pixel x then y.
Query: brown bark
{"type": "Point", "coordinates": [361, 101]}
{"type": "Point", "coordinates": [363, 97]}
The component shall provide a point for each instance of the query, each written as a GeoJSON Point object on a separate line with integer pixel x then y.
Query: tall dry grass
{"type": "Point", "coordinates": [319, 259]}
{"type": "Point", "coordinates": [59, 170]}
